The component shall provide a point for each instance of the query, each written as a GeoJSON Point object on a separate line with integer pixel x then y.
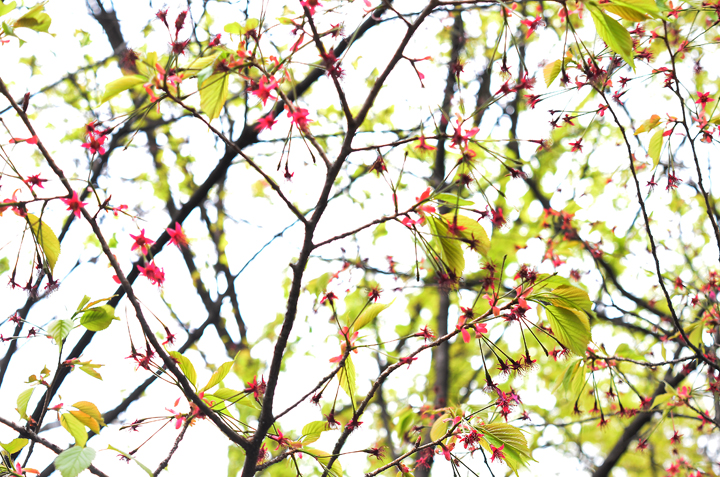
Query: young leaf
{"type": "Point", "coordinates": [213, 95]}
{"type": "Point", "coordinates": [83, 302]}
{"type": "Point", "coordinates": [347, 377]}
{"type": "Point", "coordinates": [98, 318]}
{"type": "Point", "coordinates": [551, 71]}
{"type": "Point", "coordinates": [75, 428]}
{"type": "Point", "coordinates": [34, 19]}
{"type": "Point", "coordinates": [515, 445]}
{"type": "Point", "coordinates": [369, 313]}
{"type": "Point", "coordinates": [218, 375]}
{"type": "Point", "coordinates": [656, 143]}
{"type": "Point", "coordinates": [571, 328]}
{"type": "Point", "coordinates": [471, 233]}
{"type": "Point", "coordinates": [613, 34]}
{"type": "Point", "coordinates": [74, 460]}
{"type": "Point", "coordinates": [128, 456]}
{"type": "Point", "coordinates": [450, 251]}
{"type": "Point", "coordinates": [569, 296]}
{"type": "Point", "coordinates": [116, 87]}
{"type": "Point", "coordinates": [3, 10]}
{"type": "Point", "coordinates": [91, 410]}
{"type": "Point", "coordinates": [22, 402]}
{"type": "Point", "coordinates": [59, 329]}
{"type": "Point", "coordinates": [186, 367]}
{"type": "Point", "coordinates": [648, 124]}
{"type": "Point", "coordinates": [15, 445]}
{"type": "Point", "coordinates": [46, 239]}
{"type": "Point", "coordinates": [439, 427]}
{"type": "Point", "coordinates": [313, 430]}
{"type": "Point", "coordinates": [87, 420]}
{"type": "Point", "coordinates": [323, 459]}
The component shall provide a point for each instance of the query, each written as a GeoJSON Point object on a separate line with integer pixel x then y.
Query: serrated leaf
{"type": "Point", "coordinates": [648, 124]}
{"type": "Point", "coordinates": [22, 402]}
{"type": "Point", "coordinates": [218, 375]}
{"type": "Point", "coordinates": [639, 7]}
{"type": "Point", "coordinates": [515, 445]}
{"type": "Point", "coordinates": [439, 427]}
{"type": "Point", "coordinates": [369, 314]}
{"type": "Point", "coordinates": [613, 34]}
{"type": "Point", "coordinates": [91, 410]}
{"type": "Point", "coordinates": [323, 459]}
{"type": "Point", "coordinates": [128, 456]}
{"type": "Point", "coordinates": [116, 87]}
{"type": "Point", "coordinates": [74, 460]}
{"type": "Point", "coordinates": [551, 71]}
{"type": "Point", "coordinates": [98, 318]}
{"type": "Point", "coordinates": [60, 329]}
{"type": "Point", "coordinates": [472, 233]}
{"type": "Point", "coordinates": [86, 420]}
{"type": "Point", "coordinates": [89, 368]}
{"type": "Point", "coordinates": [570, 327]}
{"type": "Point", "coordinates": [347, 376]}
{"type": "Point", "coordinates": [46, 239]}
{"type": "Point", "coordinates": [625, 12]}
{"type": "Point", "coordinates": [75, 427]}
{"type": "Point", "coordinates": [15, 445]}
{"type": "Point", "coordinates": [213, 95]}
{"type": "Point", "coordinates": [569, 296]}
{"type": "Point", "coordinates": [186, 367]}
{"type": "Point", "coordinates": [656, 143]}
{"type": "Point", "coordinates": [450, 251]}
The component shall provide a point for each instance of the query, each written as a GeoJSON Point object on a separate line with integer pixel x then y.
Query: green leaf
{"type": "Point", "coordinates": [439, 427]}
{"type": "Point", "coordinates": [323, 459]}
{"type": "Point", "coordinates": [551, 71]}
{"type": "Point", "coordinates": [471, 233]}
{"type": "Point", "coordinates": [347, 377]}
{"type": "Point", "coordinates": [74, 460]}
{"type": "Point", "coordinates": [116, 87]}
{"type": "Point", "coordinates": [515, 445]}
{"type": "Point", "coordinates": [75, 427]}
{"type": "Point", "coordinates": [312, 431]}
{"type": "Point", "coordinates": [570, 327]}
{"type": "Point", "coordinates": [22, 402]}
{"type": "Point", "coordinates": [634, 9]}
{"type": "Point", "coordinates": [218, 375]}
{"type": "Point", "coordinates": [452, 200]}
{"type": "Point", "coordinates": [86, 420]}
{"type": "Point", "coordinates": [46, 239]}
{"type": "Point", "coordinates": [319, 284]}
{"type": "Point", "coordinates": [568, 296]}
{"type": "Point", "coordinates": [83, 302]}
{"type": "Point", "coordinates": [98, 318]}
{"type": "Point", "coordinates": [34, 19]}
{"type": "Point", "coordinates": [186, 367]}
{"type": "Point", "coordinates": [199, 64]}
{"type": "Point", "coordinates": [91, 410]}
{"type": "Point", "coordinates": [128, 456]}
{"type": "Point", "coordinates": [4, 265]}
{"type": "Point", "coordinates": [369, 314]}
{"type": "Point", "coordinates": [614, 34]}
{"type": "Point", "coordinates": [625, 13]}
{"type": "Point", "coordinates": [656, 143]}
{"type": "Point", "coordinates": [15, 445]}
{"type": "Point", "coordinates": [625, 351]}
{"type": "Point", "coordinates": [3, 10]}
{"type": "Point", "coordinates": [59, 329]}
{"type": "Point", "coordinates": [213, 95]}
{"type": "Point", "coordinates": [450, 251]}
{"type": "Point", "coordinates": [648, 124]}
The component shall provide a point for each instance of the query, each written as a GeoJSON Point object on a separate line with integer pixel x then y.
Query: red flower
{"type": "Point", "coordinates": [423, 145]}
{"type": "Point", "coordinates": [264, 88]}
{"type": "Point", "coordinates": [426, 333]}
{"type": "Point", "coordinates": [74, 204]}
{"type": "Point", "coordinates": [577, 145]}
{"type": "Point", "coordinates": [497, 452]}
{"type": "Point", "coordinates": [299, 117]}
{"type": "Point", "coordinates": [30, 140]}
{"type": "Point", "coordinates": [480, 328]}
{"type": "Point", "coordinates": [311, 5]}
{"type": "Point", "coordinates": [142, 242]}
{"type": "Point", "coordinates": [95, 144]}
{"type": "Point", "coordinates": [532, 25]}
{"type": "Point", "coordinates": [153, 273]}
{"type": "Point", "coordinates": [704, 99]}
{"type": "Point", "coordinates": [35, 181]}
{"type": "Point", "coordinates": [407, 360]}
{"type": "Point", "coordinates": [258, 389]}
{"type": "Point", "coordinates": [343, 343]}
{"type": "Point", "coordinates": [423, 197]}
{"type": "Point", "coordinates": [177, 236]}
{"type": "Point", "coordinates": [266, 122]}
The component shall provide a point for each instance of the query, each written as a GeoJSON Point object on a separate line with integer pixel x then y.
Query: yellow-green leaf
{"type": "Point", "coordinates": [450, 251]}
{"type": "Point", "coordinates": [91, 410]}
{"type": "Point", "coordinates": [570, 327]}
{"type": "Point", "coordinates": [34, 19]}
{"type": "Point", "coordinates": [656, 143]}
{"type": "Point", "coordinates": [312, 431]}
{"type": "Point", "coordinates": [59, 329]}
{"type": "Point", "coordinates": [218, 375]}
{"type": "Point", "coordinates": [471, 233]}
{"type": "Point", "coordinates": [75, 428]}
{"type": "Point", "coordinates": [569, 296]}
{"type": "Point", "coordinates": [614, 34]}
{"type": "Point", "coordinates": [551, 71]}
{"type": "Point", "coordinates": [87, 420]}
{"type": "Point", "coordinates": [15, 445]}
{"type": "Point", "coordinates": [22, 402]}
{"type": "Point", "coordinates": [46, 239]}
{"type": "Point", "coordinates": [369, 313]}
{"type": "Point", "coordinates": [128, 456]}
{"type": "Point", "coordinates": [347, 376]}
{"type": "Point", "coordinates": [3, 10]}
{"type": "Point", "coordinates": [213, 95]}
{"type": "Point", "coordinates": [439, 427]}
{"type": "Point", "coordinates": [116, 87]}
{"type": "Point", "coordinates": [515, 445]}
{"type": "Point", "coordinates": [323, 459]}
{"type": "Point", "coordinates": [98, 318]}
{"type": "Point", "coordinates": [186, 367]}
{"type": "Point", "coordinates": [648, 124]}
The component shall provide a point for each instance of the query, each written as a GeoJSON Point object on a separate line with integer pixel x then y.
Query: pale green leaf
{"type": "Point", "coordinates": [116, 87]}
{"type": "Point", "coordinates": [369, 314]}
{"type": "Point", "coordinates": [46, 239]}
{"type": "Point", "coordinates": [83, 302]}
{"type": "Point", "coordinates": [615, 35]}
{"type": "Point", "coordinates": [22, 402]}
{"type": "Point", "coordinates": [15, 445]}
{"type": "Point", "coordinates": [569, 296]}
{"type": "Point", "coordinates": [471, 233]}
{"type": "Point", "coordinates": [439, 427]}
{"type": "Point", "coordinates": [74, 460]}
{"type": "Point", "coordinates": [450, 251]}
{"type": "Point", "coordinates": [98, 318]}
{"type": "Point", "coordinates": [515, 445]}
{"type": "Point", "coordinates": [186, 367]}
{"type": "Point", "coordinates": [7, 9]}
{"type": "Point", "coordinates": [59, 329]}
{"type": "Point", "coordinates": [347, 377]}
{"type": "Point", "coordinates": [312, 431]}
{"type": "Point", "coordinates": [656, 143]}
{"type": "Point", "coordinates": [323, 459]}
{"type": "Point", "coordinates": [551, 71]}
{"type": "Point", "coordinates": [213, 95]}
